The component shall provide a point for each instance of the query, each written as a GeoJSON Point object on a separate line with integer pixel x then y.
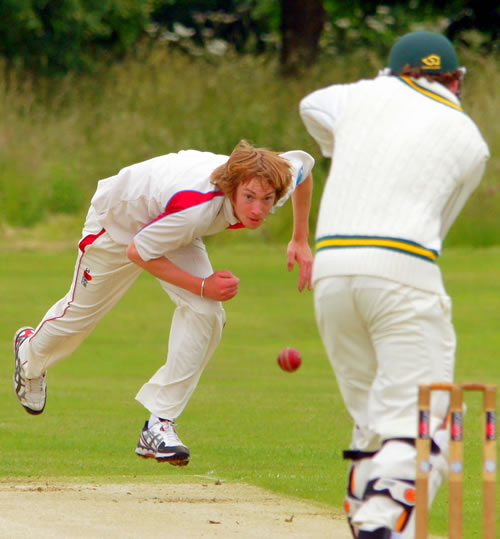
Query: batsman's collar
{"type": "Point", "coordinates": [433, 90]}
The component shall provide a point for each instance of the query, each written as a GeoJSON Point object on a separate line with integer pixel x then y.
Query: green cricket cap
{"type": "Point", "coordinates": [432, 52]}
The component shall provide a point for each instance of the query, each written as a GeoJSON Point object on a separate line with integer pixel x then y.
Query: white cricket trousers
{"type": "Point", "coordinates": [103, 273]}
{"type": "Point", "coordinates": [383, 339]}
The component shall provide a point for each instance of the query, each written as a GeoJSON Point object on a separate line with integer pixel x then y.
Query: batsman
{"type": "Point", "coordinates": [405, 157]}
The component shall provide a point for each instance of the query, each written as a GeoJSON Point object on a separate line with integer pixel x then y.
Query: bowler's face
{"type": "Point", "coordinates": [252, 202]}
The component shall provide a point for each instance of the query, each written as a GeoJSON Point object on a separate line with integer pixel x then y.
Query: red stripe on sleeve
{"type": "Point", "coordinates": [184, 200]}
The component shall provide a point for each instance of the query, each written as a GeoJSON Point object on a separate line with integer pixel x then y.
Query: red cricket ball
{"type": "Point", "coordinates": [289, 359]}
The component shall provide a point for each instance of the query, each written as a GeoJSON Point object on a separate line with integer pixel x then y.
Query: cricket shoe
{"type": "Point", "coordinates": [162, 443]}
{"type": "Point", "coordinates": [31, 392]}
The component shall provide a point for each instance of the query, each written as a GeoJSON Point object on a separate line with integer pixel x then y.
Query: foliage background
{"type": "Point", "coordinates": [74, 35]}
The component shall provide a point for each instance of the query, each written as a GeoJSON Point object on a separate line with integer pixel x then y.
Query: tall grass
{"type": "Point", "coordinates": [59, 137]}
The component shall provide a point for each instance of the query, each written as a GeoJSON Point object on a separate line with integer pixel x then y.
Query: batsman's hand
{"type": "Point", "coordinates": [301, 252]}
{"type": "Point", "coordinates": [221, 286]}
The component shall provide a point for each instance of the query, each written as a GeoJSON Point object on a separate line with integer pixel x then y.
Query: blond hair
{"type": "Point", "coordinates": [247, 163]}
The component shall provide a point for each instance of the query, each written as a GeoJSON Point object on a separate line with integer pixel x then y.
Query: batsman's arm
{"type": "Point", "coordinates": [462, 193]}
{"type": "Point", "coordinates": [320, 111]}
{"type": "Point", "coordinates": [220, 286]}
{"type": "Point", "coordinates": [298, 247]}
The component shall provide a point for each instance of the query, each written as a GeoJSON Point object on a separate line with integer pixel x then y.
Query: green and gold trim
{"type": "Point", "coordinates": [430, 94]}
{"type": "Point", "coordinates": [394, 244]}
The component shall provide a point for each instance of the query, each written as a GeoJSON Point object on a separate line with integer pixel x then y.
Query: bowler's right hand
{"type": "Point", "coordinates": [221, 286]}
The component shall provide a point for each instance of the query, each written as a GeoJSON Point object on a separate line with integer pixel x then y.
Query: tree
{"type": "Point", "coordinates": [302, 22]}
{"type": "Point", "coordinates": [68, 35]}
{"type": "Point", "coordinates": [483, 17]}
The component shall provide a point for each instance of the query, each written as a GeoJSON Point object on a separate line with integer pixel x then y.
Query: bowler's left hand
{"type": "Point", "coordinates": [301, 252]}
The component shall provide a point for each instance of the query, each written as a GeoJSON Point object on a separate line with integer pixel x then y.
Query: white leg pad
{"type": "Point", "coordinates": [396, 461]}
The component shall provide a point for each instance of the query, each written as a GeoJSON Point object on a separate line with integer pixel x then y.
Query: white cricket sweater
{"type": "Point", "coordinates": [405, 159]}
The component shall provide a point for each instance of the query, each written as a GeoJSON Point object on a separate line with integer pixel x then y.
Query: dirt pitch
{"type": "Point", "coordinates": [173, 511]}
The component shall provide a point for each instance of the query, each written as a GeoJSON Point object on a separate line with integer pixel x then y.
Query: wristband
{"type": "Point", "coordinates": [202, 287]}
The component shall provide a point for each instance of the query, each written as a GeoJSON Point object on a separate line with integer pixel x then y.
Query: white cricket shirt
{"type": "Point", "coordinates": [168, 201]}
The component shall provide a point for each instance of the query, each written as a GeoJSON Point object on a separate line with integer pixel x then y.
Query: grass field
{"type": "Point", "coordinates": [248, 421]}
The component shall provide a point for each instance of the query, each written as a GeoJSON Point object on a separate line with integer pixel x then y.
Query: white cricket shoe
{"type": "Point", "coordinates": [31, 392]}
{"type": "Point", "coordinates": [162, 443]}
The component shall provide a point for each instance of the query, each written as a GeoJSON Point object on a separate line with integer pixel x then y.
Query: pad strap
{"type": "Point", "coordinates": [356, 454]}
{"type": "Point", "coordinates": [435, 449]}
{"type": "Point", "coordinates": [402, 491]}
{"type": "Point", "coordinates": [379, 533]}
